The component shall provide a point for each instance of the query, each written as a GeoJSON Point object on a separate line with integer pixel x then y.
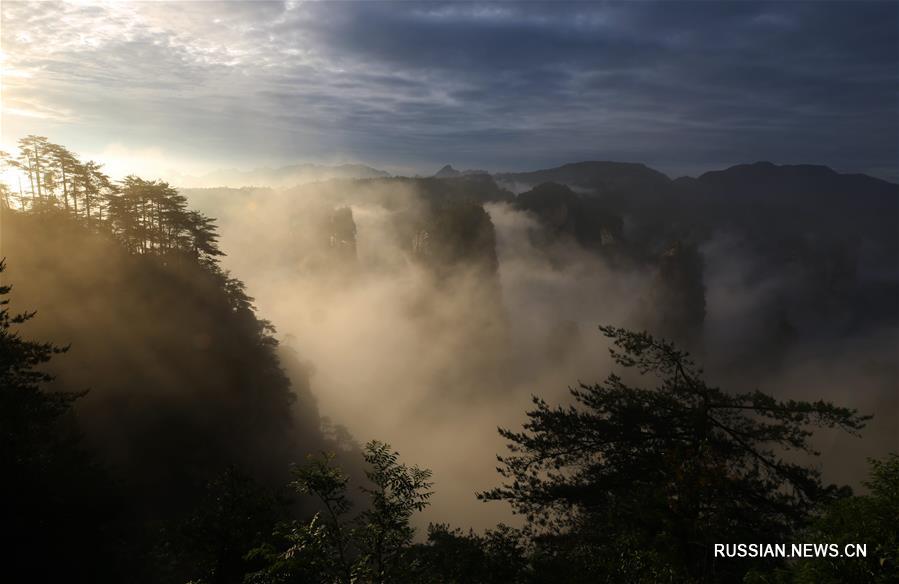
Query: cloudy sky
{"type": "Point", "coordinates": [186, 87]}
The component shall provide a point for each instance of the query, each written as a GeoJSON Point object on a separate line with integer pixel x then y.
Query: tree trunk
{"type": "Point", "coordinates": [65, 190]}
{"type": "Point", "coordinates": [37, 166]}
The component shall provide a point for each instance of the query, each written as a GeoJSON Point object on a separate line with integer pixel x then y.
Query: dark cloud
{"type": "Point", "coordinates": [682, 85]}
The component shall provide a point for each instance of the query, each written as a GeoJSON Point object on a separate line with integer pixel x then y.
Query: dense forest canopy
{"type": "Point", "coordinates": [197, 444]}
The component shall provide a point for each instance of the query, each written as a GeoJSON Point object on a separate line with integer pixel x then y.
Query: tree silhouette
{"type": "Point", "coordinates": [670, 469]}
{"type": "Point", "coordinates": [33, 152]}
{"type": "Point", "coordinates": [96, 188]}
{"type": "Point", "coordinates": [147, 216]}
{"type": "Point", "coordinates": [65, 163]}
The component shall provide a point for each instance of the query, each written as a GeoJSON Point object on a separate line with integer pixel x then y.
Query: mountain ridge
{"type": "Point", "coordinates": [602, 175]}
{"type": "Point", "coordinates": [587, 173]}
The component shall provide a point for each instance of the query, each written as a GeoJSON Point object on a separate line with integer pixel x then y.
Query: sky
{"type": "Point", "coordinates": [173, 88]}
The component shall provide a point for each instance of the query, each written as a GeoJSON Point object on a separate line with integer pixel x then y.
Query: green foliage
{"type": "Point", "coordinates": [871, 519]}
{"type": "Point", "coordinates": [396, 492]}
{"type": "Point", "coordinates": [299, 552]}
{"type": "Point", "coordinates": [373, 546]}
{"type": "Point", "coordinates": [332, 536]}
{"type": "Point", "coordinates": [234, 515]}
{"type": "Point", "coordinates": [672, 469]}
{"type": "Point", "coordinates": [576, 558]}
{"type": "Point", "coordinates": [452, 557]}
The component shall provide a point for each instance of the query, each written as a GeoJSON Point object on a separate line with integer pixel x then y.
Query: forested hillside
{"type": "Point", "coordinates": [180, 382]}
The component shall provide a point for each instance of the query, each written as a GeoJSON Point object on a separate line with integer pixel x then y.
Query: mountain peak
{"type": "Point", "coordinates": [447, 172]}
{"type": "Point", "coordinates": [595, 175]}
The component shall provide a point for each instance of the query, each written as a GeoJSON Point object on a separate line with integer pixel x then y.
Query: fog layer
{"type": "Point", "coordinates": [427, 325]}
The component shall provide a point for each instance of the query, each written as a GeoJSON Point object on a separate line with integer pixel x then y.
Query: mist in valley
{"type": "Point", "coordinates": [433, 363]}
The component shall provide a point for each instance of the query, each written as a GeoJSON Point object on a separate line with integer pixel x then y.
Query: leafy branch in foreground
{"type": "Point", "coordinates": [336, 547]}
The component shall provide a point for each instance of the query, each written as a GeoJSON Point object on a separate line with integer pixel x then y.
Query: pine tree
{"type": "Point", "coordinates": [33, 159]}
{"type": "Point", "coordinates": [666, 471]}
{"type": "Point", "coordinates": [64, 163]}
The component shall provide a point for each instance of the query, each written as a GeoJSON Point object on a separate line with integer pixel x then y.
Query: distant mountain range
{"type": "Point", "coordinates": [604, 177]}
{"type": "Point", "coordinates": [758, 180]}
{"type": "Point", "coordinates": [762, 192]}
{"type": "Point", "coordinates": [600, 176]}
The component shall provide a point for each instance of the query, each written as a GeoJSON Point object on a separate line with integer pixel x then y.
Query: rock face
{"type": "Point", "coordinates": [564, 213]}
{"type": "Point", "coordinates": [342, 233]}
{"type": "Point", "coordinates": [677, 295]}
